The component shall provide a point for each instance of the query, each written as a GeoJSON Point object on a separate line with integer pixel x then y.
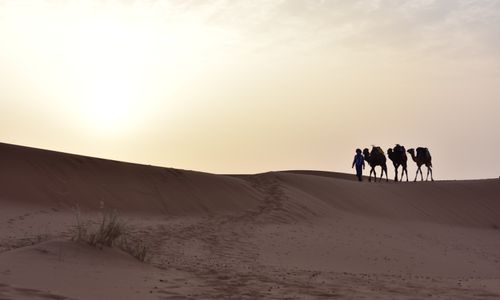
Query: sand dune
{"type": "Point", "coordinates": [278, 235]}
{"type": "Point", "coordinates": [51, 178]}
{"type": "Point", "coordinates": [50, 266]}
{"type": "Point", "coordinates": [463, 203]}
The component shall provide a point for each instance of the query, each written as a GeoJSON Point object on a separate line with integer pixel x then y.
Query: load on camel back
{"type": "Point", "coordinates": [376, 157]}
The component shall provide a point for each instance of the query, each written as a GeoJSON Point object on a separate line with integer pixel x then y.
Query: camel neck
{"type": "Point", "coordinates": [413, 157]}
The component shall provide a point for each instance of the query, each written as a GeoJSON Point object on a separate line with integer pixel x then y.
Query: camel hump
{"type": "Point", "coordinates": [423, 152]}
{"type": "Point", "coordinates": [398, 148]}
{"type": "Point", "coordinates": [378, 150]}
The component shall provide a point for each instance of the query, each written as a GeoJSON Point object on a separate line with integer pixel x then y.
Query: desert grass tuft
{"type": "Point", "coordinates": [110, 231]}
{"type": "Point", "coordinates": [136, 248]}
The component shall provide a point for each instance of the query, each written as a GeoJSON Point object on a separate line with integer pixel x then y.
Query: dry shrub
{"type": "Point", "coordinates": [110, 231]}
{"type": "Point", "coordinates": [81, 227]}
{"type": "Point", "coordinates": [136, 248]}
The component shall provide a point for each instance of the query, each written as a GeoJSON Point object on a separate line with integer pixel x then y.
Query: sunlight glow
{"type": "Point", "coordinates": [110, 73]}
{"type": "Point", "coordinates": [113, 63]}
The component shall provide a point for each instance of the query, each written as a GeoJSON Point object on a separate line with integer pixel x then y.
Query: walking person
{"type": "Point", "coordinates": [359, 162]}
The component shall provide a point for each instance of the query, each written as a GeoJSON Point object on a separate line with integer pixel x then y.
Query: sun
{"type": "Point", "coordinates": [108, 66]}
{"type": "Point", "coordinates": [107, 100]}
{"type": "Point", "coordinates": [110, 74]}
{"type": "Point", "coordinates": [108, 109]}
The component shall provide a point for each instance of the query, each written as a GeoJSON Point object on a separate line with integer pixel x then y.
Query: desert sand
{"type": "Point", "coordinates": [277, 235]}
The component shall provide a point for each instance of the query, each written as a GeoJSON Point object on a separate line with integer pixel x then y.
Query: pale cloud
{"type": "Point", "coordinates": [440, 27]}
{"type": "Point", "coordinates": [458, 27]}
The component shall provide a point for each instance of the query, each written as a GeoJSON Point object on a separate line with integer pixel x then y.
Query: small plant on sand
{"type": "Point", "coordinates": [81, 228]}
{"type": "Point", "coordinates": [137, 248]}
{"type": "Point", "coordinates": [110, 231]}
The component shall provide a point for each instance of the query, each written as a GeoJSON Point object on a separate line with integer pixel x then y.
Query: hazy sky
{"type": "Point", "coordinates": [231, 86]}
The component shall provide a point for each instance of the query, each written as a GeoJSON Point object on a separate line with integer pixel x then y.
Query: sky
{"type": "Point", "coordinates": [230, 86]}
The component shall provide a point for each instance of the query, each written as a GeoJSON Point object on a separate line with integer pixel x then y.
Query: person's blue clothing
{"type": "Point", "coordinates": [359, 162]}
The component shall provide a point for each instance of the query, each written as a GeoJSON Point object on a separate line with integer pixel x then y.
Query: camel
{"type": "Point", "coordinates": [423, 157]}
{"type": "Point", "coordinates": [399, 158]}
{"type": "Point", "coordinates": [376, 158]}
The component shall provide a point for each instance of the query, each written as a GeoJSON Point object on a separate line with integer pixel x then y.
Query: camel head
{"type": "Point", "coordinates": [390, 152]}
{"type": "Point", "coordinates": [366, 153]}
{"type": "Point", "coordinates": [411, 151]}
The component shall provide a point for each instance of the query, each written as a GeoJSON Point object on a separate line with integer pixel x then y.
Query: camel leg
{"type": "Point", "coordinates": [375, 175]}
{"type": "Point", "coordinates": [405, 171]}
{"type": "Point", "coordinates": [430, 169]}
{"type": "Point", "coordinates": [419, 170]}
{"type": "Point", "coordinates": [396, 170]}
{"type": "Point", "coordinates": [427, 177]}
{"type": "Point", "coordinates": [370, 178]}
{"type": "Point", "coordinates": [386, 176]}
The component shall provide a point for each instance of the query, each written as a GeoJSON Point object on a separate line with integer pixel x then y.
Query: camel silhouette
{"type": "Point", "coordinates": [399, 158]}
{"type": "Point", "coordinates": [376, 158]}
{"type": "Point", "coordinates": [423, 157]}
